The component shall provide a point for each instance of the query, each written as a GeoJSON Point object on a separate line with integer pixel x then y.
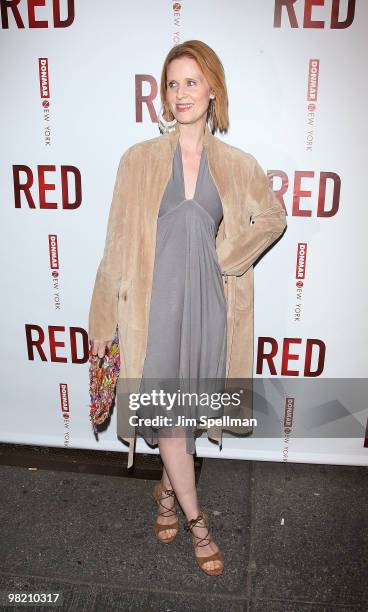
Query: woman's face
{"type": "Point", "coordinates": [188, 92]}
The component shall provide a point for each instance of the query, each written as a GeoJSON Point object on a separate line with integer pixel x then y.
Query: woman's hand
{"type": "Point", "coordinates": [99, 347]}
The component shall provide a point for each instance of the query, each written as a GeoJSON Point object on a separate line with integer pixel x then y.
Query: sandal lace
{"type": "Point", "coordinates": [169, 493]}
{"type": "Point", "coordinates": [188, 526]}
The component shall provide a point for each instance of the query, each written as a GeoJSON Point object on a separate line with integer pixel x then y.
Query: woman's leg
{"type": "Point", "coordinates": [165, 479]}
{"type": "Point", "coordinates": [179, 475]}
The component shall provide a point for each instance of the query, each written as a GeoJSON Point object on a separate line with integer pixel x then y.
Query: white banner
{"type": "Point", "coordinates": [80, 84]}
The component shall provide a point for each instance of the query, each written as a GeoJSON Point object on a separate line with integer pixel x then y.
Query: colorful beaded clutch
{"type": "Point", "coordinates": [103, 377]}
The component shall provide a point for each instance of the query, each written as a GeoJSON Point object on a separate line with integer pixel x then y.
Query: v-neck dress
{"type": "Point", "coordinates": [186, 343]}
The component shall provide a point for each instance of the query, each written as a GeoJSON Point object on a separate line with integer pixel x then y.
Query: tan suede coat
{"type": "Point", "coordinates": [253, 218]}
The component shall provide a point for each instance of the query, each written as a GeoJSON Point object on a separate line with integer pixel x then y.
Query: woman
{"type": "Point", "coordinates": [187, 209]}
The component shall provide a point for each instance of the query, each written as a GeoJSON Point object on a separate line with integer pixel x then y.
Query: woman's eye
{"type": "Point", "coordinates": [172, 83]}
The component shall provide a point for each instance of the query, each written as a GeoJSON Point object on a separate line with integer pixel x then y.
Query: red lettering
{"type": "Point", "coordinates": [287, 356]}
{"type": "Point", "coordinates": [140, 99]}
{"type": "Point", "coordinates": [31, 14]}
{"type": "Point", "coordinates": [36, 339]}
{"type": "Point", "coordinates": [7, 6]}
{"type": "Point", "coordinates": [43, 187]}
{"type": "Point", "coordinates": [288, 4]}
{"type": "Point", "coordinates": [11, 6]}
{"type": "Point", "coordinates": [308, 357]}
{"type": "Point", "coordinates": [299, 193]}
{"type": "Point", "coordinates": [35, 343]}
{"type": "Point", "coordinates": [25, 187]}
{"type": "Point", "coordinates": [308, 23]}
{"type": "Point", "coordinates": [53, 344]}
{"type": "Point", "coordinates": [321, 211]}
{"type": "Point", "coordinates": [58, 23]}
{"type": "Point", "coordinates": [267, 357]}
{"type": "Point", "coordinates": [64, 187]}
{"type": "Point", "coordinates": [339, 25]}
{"type": "Point", "coordinates": [284, 184]}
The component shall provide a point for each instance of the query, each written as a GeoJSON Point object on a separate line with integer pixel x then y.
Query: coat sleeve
{"type": "Point", "coordinates": [265, 221]}
{"type": "Point", "coordinates": [103, 312]}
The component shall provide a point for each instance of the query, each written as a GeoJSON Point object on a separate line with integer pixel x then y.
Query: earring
{"type": "Point", "coordinates": [164, 125]}
{"type": "Point", "coordinates": [211, 109]}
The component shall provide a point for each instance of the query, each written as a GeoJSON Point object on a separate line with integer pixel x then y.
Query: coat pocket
{"type": "Point", "coordinates": [243, 293]}
{"type": "Point", "coordinates": [124, 290]}
{"type": "Point", "coordinates": [125, 298]}
{"type": "Point", "coordinates": [225, 285]}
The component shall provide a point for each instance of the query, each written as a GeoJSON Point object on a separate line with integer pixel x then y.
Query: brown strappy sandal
{"type": "Point", "coordinates": [160, 493]}
{"type": "Point", "coordinates": [217, 556]}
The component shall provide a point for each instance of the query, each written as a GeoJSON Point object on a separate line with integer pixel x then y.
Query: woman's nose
{"type": "Point", "coordinates": [181, 91]}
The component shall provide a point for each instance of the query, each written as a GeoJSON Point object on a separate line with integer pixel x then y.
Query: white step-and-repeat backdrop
{"type": "Point", "coordinates": [79, 83]}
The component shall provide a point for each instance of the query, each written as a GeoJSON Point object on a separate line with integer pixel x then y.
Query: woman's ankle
{"type": "Point", "coordinates": [192, 515]}
{"type": "Point", "coordinates": [166, 485]}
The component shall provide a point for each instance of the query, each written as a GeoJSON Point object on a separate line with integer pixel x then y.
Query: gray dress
{"type": "Point", "coordinates": [187, 323]}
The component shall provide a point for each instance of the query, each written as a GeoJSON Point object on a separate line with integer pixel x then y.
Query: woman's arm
{"type": "Point", "coordinates": [103, 313]}
{"type": "Point", "coordinates": [267, 222]}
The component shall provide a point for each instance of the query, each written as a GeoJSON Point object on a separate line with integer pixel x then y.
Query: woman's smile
{"type": "Point", "coordinates": [181, 108]}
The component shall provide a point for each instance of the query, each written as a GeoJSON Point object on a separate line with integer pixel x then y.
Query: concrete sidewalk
{"type": "Point", "coordinates": [294, 538]}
